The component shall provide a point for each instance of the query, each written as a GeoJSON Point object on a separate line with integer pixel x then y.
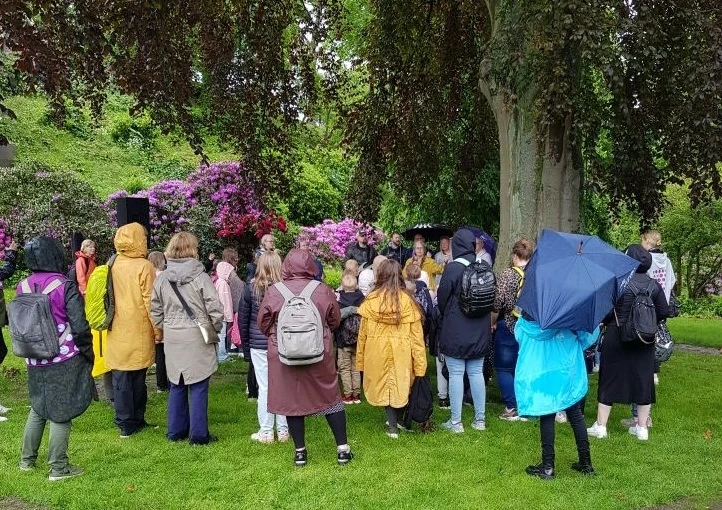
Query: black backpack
{"type": "Point", "coordinates": [478, 285]}
{"type": "Point", "coordinates": [421, 402]}
{"type": "Point", "coordinates": [641, 325]}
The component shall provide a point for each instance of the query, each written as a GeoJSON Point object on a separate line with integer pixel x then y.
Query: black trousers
{"type": "Point", "coordinates": [161, 374]}
{"type": "Point", "coordinates": [575, 416]}
{"type": "Point", "coordinates": [131, 397]}
{"type": "Point", "coordinates": [252, 382]}
{"type": "Point", "coordinates": [3, 347]}
{"type": "Point", "coordinates": [336, 421]}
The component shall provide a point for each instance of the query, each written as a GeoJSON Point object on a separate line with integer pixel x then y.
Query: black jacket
{"type": "Point", "coordinates": [6, 271]}
{"type": "Point", "coordinates": [400, 254]}
{"type": "Point", "coordinates": [461, 337]}
{"type": "Point", "coordinates": [347, 333]}
{"type": "Point", "coordinates": [251, 336]}
{"type": "Point", "coordinates": [623, 307]}
{"type": "Point", "coordinates": [361, 255]}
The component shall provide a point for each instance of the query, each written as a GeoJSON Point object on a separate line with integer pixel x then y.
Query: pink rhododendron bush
{"type": "Point", "coordinates": [328, 240]}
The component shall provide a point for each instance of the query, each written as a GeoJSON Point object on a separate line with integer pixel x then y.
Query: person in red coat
{"type": "Point", "coordinates": [85, 264]}
{"type": "Point", "coordinates": [300, 391]}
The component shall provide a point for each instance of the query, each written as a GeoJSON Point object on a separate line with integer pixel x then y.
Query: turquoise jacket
{"type": "Point", "coordinates": [550, 371]}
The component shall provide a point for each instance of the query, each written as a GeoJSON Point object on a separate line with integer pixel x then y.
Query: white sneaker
{"type": "Point", "coordinates": [656, 379]}
{"type": "Point", "coordinates": [3, 418]}
{"type": "Point", "coordinates": [4, 410]}
{"type": "Point", "coordinates": [642, 433]}
{"type": "Point", "coordinates": [597, 430]}
{"type": "Point", "coordinates": [561, 417]}
{"type": "Point", "coordinates": [263, 437]}
{"type": "Point", "coordinates": [478, 425]}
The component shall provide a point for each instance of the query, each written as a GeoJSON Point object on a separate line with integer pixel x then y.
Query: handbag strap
{"type": "Point", "coordinates": [189, 312]}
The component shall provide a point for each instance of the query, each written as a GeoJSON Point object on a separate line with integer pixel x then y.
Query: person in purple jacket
{"type": "Point", "coordinates": [61, 388]}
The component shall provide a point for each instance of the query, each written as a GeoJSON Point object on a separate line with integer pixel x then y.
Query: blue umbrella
{"type": "Point", "coordinates": [572, 281]}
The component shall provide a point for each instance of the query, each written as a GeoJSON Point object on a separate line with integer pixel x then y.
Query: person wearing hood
{"type": "Point", "coordinates": [626, 373]}
{"type": "Point", "coordinates": [85, 264]}
{"type": "Point", "coordinates": [303, 390]}
{"type": "Point", "coordinates": [7, 269]}
{"type": "Point", "coordinates": [61, 388]}
{"type": "Point", "coordinates": [131, 337]}
{"type": "Point", "coordinates": [550, 377]}
{"type": "Point", "coordinates": [222, 285]}
{"type": "Point", "coordinates": [390, 349]}
{"type": "Point", "coordinates": [464, 341]}
{"type": "Point", "coordinates": [190, 361]}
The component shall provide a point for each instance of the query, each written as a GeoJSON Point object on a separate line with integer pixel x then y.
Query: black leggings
{"type": "Point", "coordinates": [575, 416]}
{"type": "Point", "coordinates": [394, 416]}
{"type": "Point", "coordinates": [297, 428]}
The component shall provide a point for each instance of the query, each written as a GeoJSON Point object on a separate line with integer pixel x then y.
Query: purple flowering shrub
{"type": "Point", "coordinates": [328, 240]}
{"type": "Point", "coordinates": [216, 202]}
{"type": "Point", "coordinates": [36, 199]}
{"type": "Point", "coordinates": [5, 238]}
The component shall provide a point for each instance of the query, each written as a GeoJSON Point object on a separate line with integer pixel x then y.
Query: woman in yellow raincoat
{"type": "Point", "coordinates": [390, 349]}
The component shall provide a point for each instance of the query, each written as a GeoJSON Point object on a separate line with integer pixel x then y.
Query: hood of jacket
{"type": "Point", "coordinates": [374, 308]}
{"type": "Point", "coordinates": [299, 265]}
{"type": "Point", "coordinates": [659, 258]}
{"type": "Point", "coordinates": [45, 254]}
{"type": "Point", "coordinates": [182, 271]}
{"type": "Point", "coordinates": [130, 240]}
{"type": "Point", "coordinates": [463, 244]}
{"type": "Point", "coordinates": [224, 270]}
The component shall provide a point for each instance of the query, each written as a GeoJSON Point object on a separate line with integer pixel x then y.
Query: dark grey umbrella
{"type": "Point", "coordinates": [430, 231]}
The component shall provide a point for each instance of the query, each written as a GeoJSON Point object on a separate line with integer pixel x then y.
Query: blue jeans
{"type": "Point", "coordinates": [222, 353]}
{"type": "Point", "coordinates": [506, 352]}
{"type": "Point", "coordinates": [475, 369]}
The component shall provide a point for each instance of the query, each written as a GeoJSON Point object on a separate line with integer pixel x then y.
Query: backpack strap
{"type": "Point", "coordinates": [25, 287]}
{"type": "Point", "coordinates": [285, 291]}
{"type": "Point", "coordinates": [463, 261]}
{"type": "Point", "coordinates": [310, 287]}
{"type": "Point", "coordinates": [52, 286]}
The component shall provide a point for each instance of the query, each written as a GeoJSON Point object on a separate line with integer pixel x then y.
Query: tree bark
{"type": "Point", "coordinates": [539, 186]}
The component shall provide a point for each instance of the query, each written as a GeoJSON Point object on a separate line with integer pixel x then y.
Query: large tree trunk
{"type": "Point", "coordinates": [539, 186]}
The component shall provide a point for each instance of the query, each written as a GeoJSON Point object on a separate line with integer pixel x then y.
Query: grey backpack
{"type": "Point", "coordinates": [32, 327]}
{"type": "Point", "coordinates": [300, 328]}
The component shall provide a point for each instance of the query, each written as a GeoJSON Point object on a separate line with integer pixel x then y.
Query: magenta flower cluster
{"type": "Point", "coordinates": [5, 238]}
{"type": "Point", "coordinates": [328, 240]}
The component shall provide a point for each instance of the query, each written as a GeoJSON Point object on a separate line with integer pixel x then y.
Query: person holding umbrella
{"type": "Point", "coordinates": [626, 374]}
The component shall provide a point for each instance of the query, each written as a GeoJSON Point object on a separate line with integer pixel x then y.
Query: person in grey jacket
{"type": "Point", "coordinates": [189, 360]}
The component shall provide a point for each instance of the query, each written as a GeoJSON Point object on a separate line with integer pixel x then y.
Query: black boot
{"type": "Point", "coordinates": [584, 466]}
{"type": "Point", "coordinates": [545, 470]}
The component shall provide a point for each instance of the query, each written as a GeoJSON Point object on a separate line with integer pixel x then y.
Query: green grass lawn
{"type": "Point", "coordinates": [702, 332]}
{"type": "Point", "coordinates": [437, 470]}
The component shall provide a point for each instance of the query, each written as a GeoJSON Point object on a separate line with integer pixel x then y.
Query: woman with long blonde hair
{"type": "Point", "coordinates": [390, 349]}
{"type": "Point", "coordinates": [255, 344]}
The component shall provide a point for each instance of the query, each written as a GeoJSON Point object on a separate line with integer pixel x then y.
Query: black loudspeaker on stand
{"type": "Point", "coordinates": [133, 210]}
{"type": "Point", "coordinates": [76, 242]}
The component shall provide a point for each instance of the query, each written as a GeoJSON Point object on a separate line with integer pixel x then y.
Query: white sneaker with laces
{"type": "Point", "coordinates": [642, 433]}
{"type": "Point", "coordinates": [597, 431]}
{"type": "Point", "coordinates": [561, 417]}
{"type": "Point", "coordinates": [263, 437]}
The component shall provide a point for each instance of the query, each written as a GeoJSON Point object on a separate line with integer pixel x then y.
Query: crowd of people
{"type": "Point", "coordinates": [370, 338]}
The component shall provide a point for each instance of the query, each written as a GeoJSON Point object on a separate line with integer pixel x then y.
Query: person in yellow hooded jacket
{"type": "Point", "coordinates": [390, 349]}
{"type": "Point", "coordinates": [131, 337]}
